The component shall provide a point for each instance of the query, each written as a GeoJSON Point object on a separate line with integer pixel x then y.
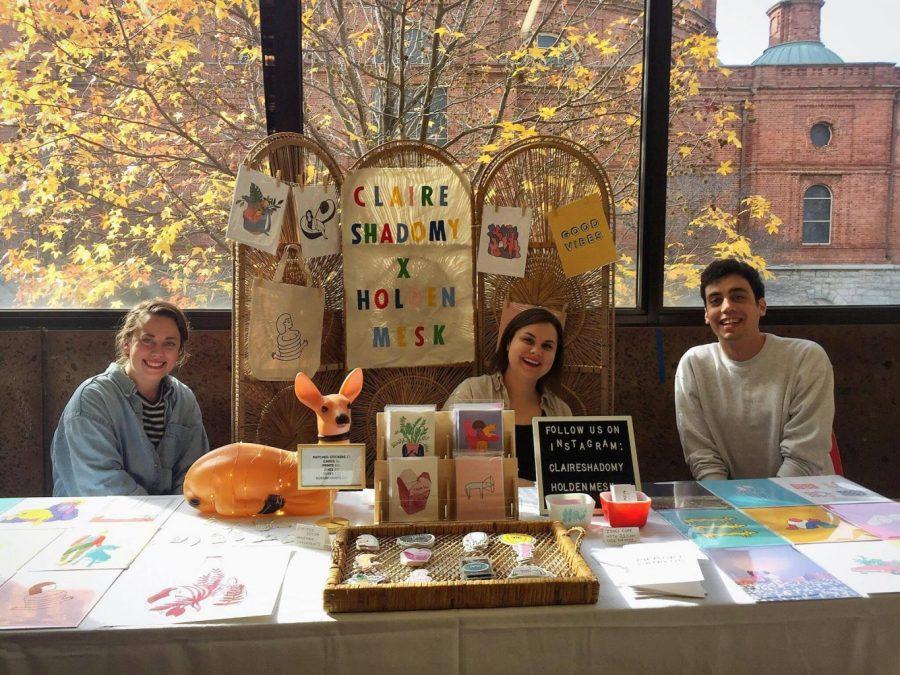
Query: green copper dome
{"type": "Point", "coordinates": [805, 53]}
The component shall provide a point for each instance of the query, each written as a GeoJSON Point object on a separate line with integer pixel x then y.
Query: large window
{"type": "Point", "coordinates": [770, 101]}
{"type": "Point", "coordinates": [575, 71]}
{"type": "Point", "coordinates": [122, 125]}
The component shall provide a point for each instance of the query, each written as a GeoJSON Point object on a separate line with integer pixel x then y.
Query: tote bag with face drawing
{"type": "Point", "coordinates": [285, 326]}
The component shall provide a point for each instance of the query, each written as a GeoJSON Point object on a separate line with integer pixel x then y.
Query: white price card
{"type": "Point", "coordinates": [332, 467]}
{"type": "Point", "coordinates": [619, 536]}
{"type": "Point", "coordinates": [312, 536]}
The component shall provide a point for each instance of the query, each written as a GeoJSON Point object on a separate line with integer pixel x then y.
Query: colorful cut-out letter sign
{"type": "Point", "coordinates": [407, 237]}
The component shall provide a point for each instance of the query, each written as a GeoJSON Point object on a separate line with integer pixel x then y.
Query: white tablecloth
{"type": "Point", "coordinates": [618, 634]}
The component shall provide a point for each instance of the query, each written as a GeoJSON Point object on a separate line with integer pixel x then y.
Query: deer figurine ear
{"type": "Point", "coordinates": [307, 392]}
{"type": "Point", "coordinates": [352, 384]}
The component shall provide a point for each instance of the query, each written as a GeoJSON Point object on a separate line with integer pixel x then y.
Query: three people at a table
{"type": "Point", "coordinates": [750, 405]}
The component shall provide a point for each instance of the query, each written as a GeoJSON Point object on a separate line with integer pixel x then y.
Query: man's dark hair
{"type": "Point", "coordinates": [723, 268]}
{"type": "Point", "coordinates": [500, 361]}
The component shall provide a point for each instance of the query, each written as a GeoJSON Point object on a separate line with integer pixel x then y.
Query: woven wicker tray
{"type": "Point", "coordinates": [574, 583]}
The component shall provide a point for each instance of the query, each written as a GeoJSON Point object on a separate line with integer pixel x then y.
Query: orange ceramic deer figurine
{"type": "Point", "coordinates": [247, 479]}
{"type": "Point", "coordinates": [332, 411]}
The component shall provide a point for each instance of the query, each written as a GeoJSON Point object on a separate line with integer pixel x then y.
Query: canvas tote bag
{"type": "Point", "coordinates": [285, 325]}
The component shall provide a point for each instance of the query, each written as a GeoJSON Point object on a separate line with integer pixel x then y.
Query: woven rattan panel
{"type": "Point", "coordinates": [543, 173]}
{"type": "Point", "coordinates": [269, 412]}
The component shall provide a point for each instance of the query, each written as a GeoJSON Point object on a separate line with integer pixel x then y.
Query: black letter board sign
{"type": "Point", "coordinates": [583, 454]}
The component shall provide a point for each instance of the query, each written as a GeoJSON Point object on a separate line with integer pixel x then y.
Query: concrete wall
{"type": "Point", "coordinates": [41, 369]}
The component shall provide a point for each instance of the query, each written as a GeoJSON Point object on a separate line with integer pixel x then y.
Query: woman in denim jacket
{"type": "Point", "coordinates": [134, 429]}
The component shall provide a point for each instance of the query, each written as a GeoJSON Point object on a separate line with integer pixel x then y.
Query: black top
{"type": "Point", "coordinates": [525, 451]}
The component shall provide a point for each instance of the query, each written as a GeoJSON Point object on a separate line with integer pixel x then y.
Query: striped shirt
{"type": "Point", "coordinates": [154, 419]}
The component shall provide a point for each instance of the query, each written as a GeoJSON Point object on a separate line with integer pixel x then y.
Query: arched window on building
{"type": "Point", "coordinates": [817, 215]}
{"type": "Point", "coordinates": [548, 41]}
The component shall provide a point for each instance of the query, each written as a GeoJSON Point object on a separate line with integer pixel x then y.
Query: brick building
{"type": "Point", "coordinates": [820, 141]}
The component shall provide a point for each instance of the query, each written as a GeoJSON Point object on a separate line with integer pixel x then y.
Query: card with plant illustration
{"type": "Point", "coordinates": [413, 489]}
{"type": "Point", "coordinates": [257, 210]}
{"type": "Point", "coordinates": [409, 430]}
{"type": "Point", "coordinates": [479, 488]}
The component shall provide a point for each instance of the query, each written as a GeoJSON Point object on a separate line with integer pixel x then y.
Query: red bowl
{"type": "Point", "coordinates": [625, 514]}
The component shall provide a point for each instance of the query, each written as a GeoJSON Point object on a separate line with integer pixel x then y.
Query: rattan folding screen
{"type": "Point", "coordinates": [540, 173]}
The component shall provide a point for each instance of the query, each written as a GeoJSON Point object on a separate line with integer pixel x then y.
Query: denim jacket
{"type": "Point", "coordinates": [100, 447]}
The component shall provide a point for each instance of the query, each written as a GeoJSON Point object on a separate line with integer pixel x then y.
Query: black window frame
{"type": "Point", "coordinates": [280, 32]}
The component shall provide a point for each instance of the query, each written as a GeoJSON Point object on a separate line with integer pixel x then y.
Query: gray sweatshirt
{"type": "Point", "coordinates": [768, 416]}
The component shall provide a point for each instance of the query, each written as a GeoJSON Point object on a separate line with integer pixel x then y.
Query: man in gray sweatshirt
{"type": "Point", "coordinates": [752, 405]}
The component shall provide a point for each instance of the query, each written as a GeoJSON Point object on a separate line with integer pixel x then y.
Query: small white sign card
{"type": "Point", "coordinates": [204, 585]}
{"type": "Point", "coordinates": [51, 599]}
{"type": "Point", "coordinates": [257, 210]}
{"type": "Point", "coordinates": [316, 208]}
{"type": "Point", "coordinates": [413, 489]}
{"type": "Point", "coordinates": [503, 246]}
{"type": "Point", "coordinates": [341, 466]}
{"type": "Point", "coordinates": [410, 430]}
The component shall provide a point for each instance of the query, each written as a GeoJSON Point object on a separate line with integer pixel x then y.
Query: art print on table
{"type": "Point", "coordinates": [829, 490]}
{"type": "Point", "coordinates": [203, 585]}
{"type": "Point", "coordinates": [97, 547]}
{"type": "Point", "coordinates": [137, 510]}
{"type": "Point", "coordinates": [503, 246]}
{"type": "Point", "coordinates": [17, 547]}
{"type": "Point", "coordinates": [51, 599]}
{"type": "Point", "coordinates": [867, 567]}
{"type": "Point", "coordinates": [720, 528]}
{"type": "Point", "coordinates": [6, 503]}
{"type": "Point", "coordinates": [50, 512]}
{"type": "Point", "coordinates": [479, 488]}
{"type": "Point", "coordinates": [881, 519]}
{"type": "Point", "coordinates": [807, 524]}
{"type": "Point", "coordinates": [257, 211]}
{"type": "Point", "coordinates": [413, 488]}
{"type": "Point", "coordinates": [682, 494]}
{"type": "Point", "coordinates": [316, 211]}
{"type": "Point", "coordinates": [410, 430]}
{"type": "Point", "coordinates": [775, 573]}
{"type": "Point", "coordinates": [478, 429]}
{"type": "Point", "coordinates": [753, 493]}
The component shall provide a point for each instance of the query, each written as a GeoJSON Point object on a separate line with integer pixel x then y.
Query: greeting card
{"type": "Point", "coordinates": [720, 528]}
{"type": "Point", "coordinates": [413, 489]}
{"type": "Point", "coordinates": [774, 573]}
{"type": "Point", "coordinates": [201, 585]}
{"type": "Point", "coordinates": [6, 503]}
{"type": "Point", "coordinates": [807, 524]}
{"type": "Point", "coordinates": [51, 599]}
{"type": "Point", "coordinates": [51, 512]}
{"type": "Point", "coordinates": [17, 547]}
{"type": "Point", "coordinates": [503, 246]}
{"type": "Point", "coordinates": [257, 211]}
{"type": "Point", "coordinates": [753, 493]}
{"type": "Point", "coordinates": [316, 211]}
{"type": "Point", "coordinates": [478, 429]}
{"type": "Point", "coordinates": [97, 547]}
{"type": "Point", "coordinates": [137, 510]}
{"type": "Point", "coordinates": [866, 566]}
{"type": "Point", "coordinates": [881, 519]}
{"type": "Point", "coordinates": [409, 430]}
{"type": "Point", "coordinates": [479, 488]}
{"type": "Point", "coordinates": [829, 490]}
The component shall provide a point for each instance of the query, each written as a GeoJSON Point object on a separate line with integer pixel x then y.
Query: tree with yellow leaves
{"type": "Point", "coordinates": [470, 76]}
{"type": "Point", "coordinates": [128, 120]}
{"type": "Point", "coordinates": [126, 123]}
